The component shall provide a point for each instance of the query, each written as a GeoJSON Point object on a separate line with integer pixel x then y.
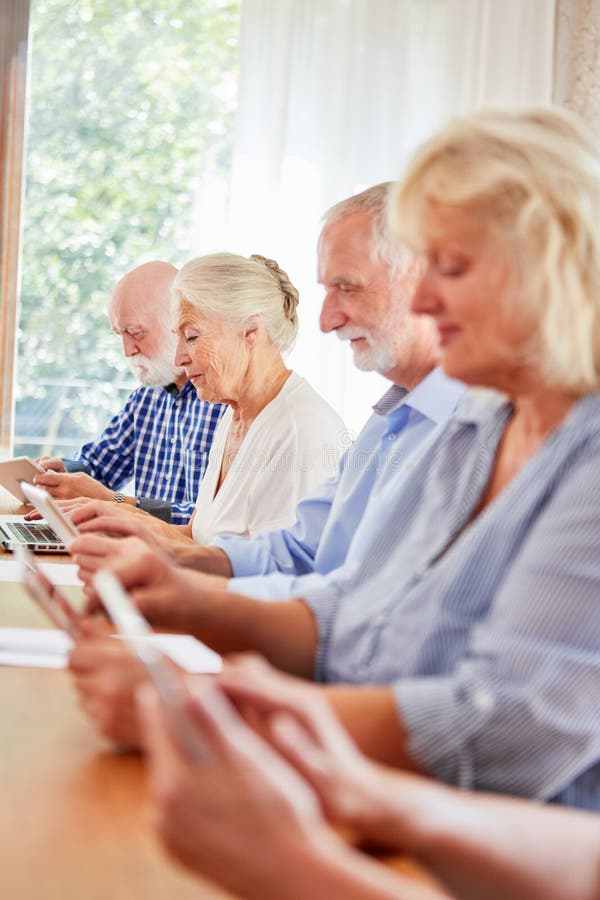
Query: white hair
{"type": "Point", "coordinates": [234, 288]}
{"type": "Point", "coordinates": [384, 245]}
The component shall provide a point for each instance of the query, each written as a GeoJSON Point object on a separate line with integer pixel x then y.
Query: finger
{"type": "Point", "coordinates": [94, 545]}
{"type": "Point", "coordinates": [48, 479]}
{"type": "Point", "coordinates": [117, 524]}
{"type": "Point", "coordinates": [93, 605]}
{"type": "Point", "coordinates": [272, 693]}
{"type": "Point", "coordinates": [220, 725]}
{"type": "Point", "coordinates": [298, 746]}
{"type": "Point", "coordinates": [164, 755]}
{"type": "Point", "coordinates": [88, 509]}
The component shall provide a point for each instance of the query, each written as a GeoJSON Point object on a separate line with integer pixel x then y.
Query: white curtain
{"type": "Point", "coordinates": [334, 95]}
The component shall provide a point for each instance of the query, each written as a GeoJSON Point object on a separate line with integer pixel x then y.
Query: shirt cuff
{"type": "Point", "coordinates": [247, 557]}
{"type": "Point", "coordinates": [159, 508]}
{"type": "Point", "coordinates": [440, 717]}
{"type": "Point", "coordinates": [76, 465]}
{"type": "Point", "coordinates": [323, 602]}
{"type": "Point", "coordinates": [276, 586]}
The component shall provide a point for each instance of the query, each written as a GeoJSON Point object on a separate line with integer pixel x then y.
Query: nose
{"type": "Point", "coordinates": [182, 356]}
{"type": "Point", "coordinates": [332, 315]}
{"type": "Point", "coordinates": [426, 299]}
{"type": "Point", "coordinates": [130, 347]}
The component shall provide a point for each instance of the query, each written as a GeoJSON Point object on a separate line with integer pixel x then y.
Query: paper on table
{"type": "Point", "coordinates": [48, 648]}
{"type": "Point", "coordinates": [62, 574]}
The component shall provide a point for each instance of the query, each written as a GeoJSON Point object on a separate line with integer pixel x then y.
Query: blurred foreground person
{"type": "Point", "coordinates": [255, 814]}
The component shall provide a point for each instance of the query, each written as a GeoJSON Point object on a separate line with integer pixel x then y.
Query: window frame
{"type": "Point", "coordinates": [14, 34]}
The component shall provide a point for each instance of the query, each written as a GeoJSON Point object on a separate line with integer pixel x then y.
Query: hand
{"type": "Point", "coordinates": [297, 719]}
{"type": "Point", "coordinates": [239, 816]}
{"type": "Point", "coordinates": [167, 596]}
{"type": "Point", "coordinates": [91, 552]}
{"type": "Point", "coordinates": [64, 485]}
{"type": "Point", "coordinates": [51, 463]}
{"type": "Point", "coordinates": [67, 506]}
{"type": "Point", "coordinates": [106, 676]}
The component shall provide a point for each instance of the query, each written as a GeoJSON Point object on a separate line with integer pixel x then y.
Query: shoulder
{"type": "Point", "coordinates": [302, 402]}
{"type": "Point", "coordinates": [142, 397]}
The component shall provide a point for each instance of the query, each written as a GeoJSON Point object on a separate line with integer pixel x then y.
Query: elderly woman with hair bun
{"type": "Point", "coordinates": [234, 317]}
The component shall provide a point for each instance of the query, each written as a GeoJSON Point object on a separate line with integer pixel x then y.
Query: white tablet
{"type": "Point", "coordinates": [134, 628]}
{"type": "Point", "coordinates": [52, 600]}
{"type": "Point", "coordinates": [53, 514]}
{"type": "Point", "coordinates": [15, 471]}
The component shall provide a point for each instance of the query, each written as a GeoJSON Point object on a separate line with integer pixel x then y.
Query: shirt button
{"type": "Point", "coordinates": [392, 437]}
{"type": "Point", "coordinates": [178, 403]}
{"type": "Point", "coordinates": [483, 700]}
{"type": "Point", "coordinates": [173, 440]}
{"type": "Point", "coordinates": [380, 620]}
{"type": "Point", "coordinates": [167, 477]}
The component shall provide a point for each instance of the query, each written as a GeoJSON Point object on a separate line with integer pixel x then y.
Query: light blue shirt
{"type": "Point", "coordinates": [488, 632]}
{"type": "Point", "coordinates": [340, 523]}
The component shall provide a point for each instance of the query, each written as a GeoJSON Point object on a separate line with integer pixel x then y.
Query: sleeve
{"type": "Point", "coordinates": [75, 465]}
{"type": "Point", "coordinates": [520, 713]}
{"type": "Point", "coordinates": [180, 513]}
{"type": "Point", "coordinates": [162, 509]}
{"type": "Point", "coordinates": [110, 457]}
{"type": "Point", "coordinates": [290, 551]}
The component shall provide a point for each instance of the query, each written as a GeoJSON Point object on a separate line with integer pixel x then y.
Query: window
{"type": "Point", "coordinates": [130, 136]}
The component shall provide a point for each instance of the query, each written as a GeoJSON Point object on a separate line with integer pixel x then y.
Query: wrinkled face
{"type": "Point", "coordinates": [148, 344]}
{"type": "Point", "coordinates": [469, 275]}
{"type": "Point", "coordinates": [363, 304]}
{"type": "Point", "coordinates": [214, 354]}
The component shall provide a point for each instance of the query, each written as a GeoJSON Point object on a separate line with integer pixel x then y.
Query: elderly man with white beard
{"type": "Point", "coordinates": [161, 438]}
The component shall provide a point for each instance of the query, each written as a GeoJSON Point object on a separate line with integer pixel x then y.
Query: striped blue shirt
{"type": "Point", "coordinates": [160, 440]}
{"type": "Point", "coordinates": [339, 523]}
{"type": "Point", "coordinates": [492, 647]}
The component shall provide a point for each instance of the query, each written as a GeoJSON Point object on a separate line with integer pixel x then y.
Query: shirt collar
{"type": "Point", "coordinates": [435, 398]}
{"type": "Point", "coordinates": [174, 390]}
{"type": "Point", "coordinates": [391, 400]}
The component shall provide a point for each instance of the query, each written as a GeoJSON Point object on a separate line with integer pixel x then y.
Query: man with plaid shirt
{"type": "Point", "coordinates": [161, 438]}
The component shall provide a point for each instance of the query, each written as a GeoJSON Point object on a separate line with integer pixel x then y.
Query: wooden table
{"type": "Point", "coordinates": [72, 816]}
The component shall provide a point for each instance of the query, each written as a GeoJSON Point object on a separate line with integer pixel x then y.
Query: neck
{"type": "Point", "coordinates": [540, 410]}
{"type": "Point", "coordinates": [411, 377]}
{"type": "Point", "coordinates": [264, 379]}
{"type": "Point", "coordinates": [180, 381]}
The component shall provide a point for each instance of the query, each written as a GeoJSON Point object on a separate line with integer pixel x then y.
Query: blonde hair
{"type": "Point", "coordinates": [233, 288]}
{"type": "Point", "coordinates": [532, 177]}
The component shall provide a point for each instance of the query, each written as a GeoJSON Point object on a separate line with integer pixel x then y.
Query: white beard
{"type": "Point", "coordinates": [153, 372]}
{"type": "Point", "coordinates": [376, 355]}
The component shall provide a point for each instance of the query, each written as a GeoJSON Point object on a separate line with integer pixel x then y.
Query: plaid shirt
{"type": "Point", "coordinates": [160, 440]}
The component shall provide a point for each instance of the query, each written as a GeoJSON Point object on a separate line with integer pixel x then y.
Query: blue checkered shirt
{"type": "Point", "coordinates": [160, 440]}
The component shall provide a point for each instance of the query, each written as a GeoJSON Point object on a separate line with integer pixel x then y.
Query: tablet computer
{"type": "Point", "coordinates": [135, 629]}
{"type": "Point", "coordinates": [13, 472]}
{"type": "Point", "coordinates": [51, 511]}
{"type": "Point", "coordinates": [57, 607]}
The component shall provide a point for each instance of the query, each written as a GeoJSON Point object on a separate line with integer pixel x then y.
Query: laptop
{"type": "Point", "coordinates": [35, 536]}
{"type": "Point", "coordinates": [38, 536]}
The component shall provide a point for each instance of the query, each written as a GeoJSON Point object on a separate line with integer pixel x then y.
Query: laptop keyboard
{"type": "Point", "coordinates": [32, 533]}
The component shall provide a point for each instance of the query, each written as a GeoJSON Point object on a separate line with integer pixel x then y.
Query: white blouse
{"type": "Point", "coordinates": [294, 443]}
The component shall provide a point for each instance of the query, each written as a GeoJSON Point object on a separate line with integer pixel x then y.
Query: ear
{"type": "Point", "coordinates": [251, 329]}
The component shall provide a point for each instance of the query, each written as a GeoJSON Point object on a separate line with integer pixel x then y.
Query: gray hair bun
{"type": "Point", "coordinates": [291, 297]}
